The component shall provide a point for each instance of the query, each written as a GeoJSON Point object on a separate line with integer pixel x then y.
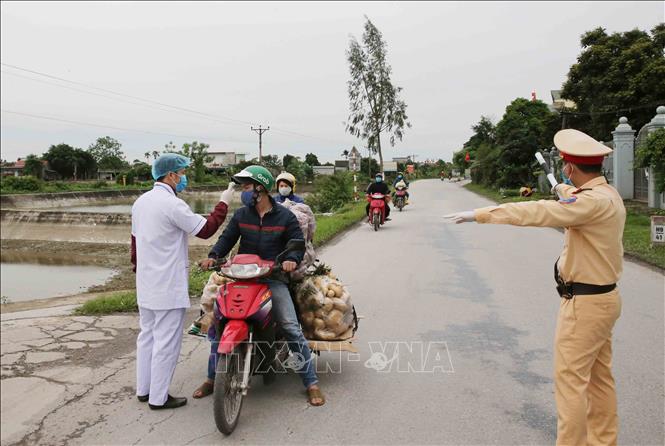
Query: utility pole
{"type": "Point", "coordinates": [260, 131]}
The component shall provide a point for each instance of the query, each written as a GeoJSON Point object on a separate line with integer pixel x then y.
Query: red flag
{"type": "Point", "coordinates": [467, 157]}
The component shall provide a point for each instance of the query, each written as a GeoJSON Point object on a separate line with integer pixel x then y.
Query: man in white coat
{"type": "Point", "coordinates": [161, 225]}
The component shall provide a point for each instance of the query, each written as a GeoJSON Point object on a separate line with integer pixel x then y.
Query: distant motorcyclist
{"type": "Point", "coordinates": [401, 182]}
{"type": "Point", "coordinates": [286, 186]}
{"type": "Point", "coordinates": [379, 187]}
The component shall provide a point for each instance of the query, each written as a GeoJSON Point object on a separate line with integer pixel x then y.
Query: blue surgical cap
{"type": "Point", "coordinates": [169, 162]}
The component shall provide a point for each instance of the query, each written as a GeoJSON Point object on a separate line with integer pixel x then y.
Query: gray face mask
{"type": "Point", "coordinates": [285, 191]}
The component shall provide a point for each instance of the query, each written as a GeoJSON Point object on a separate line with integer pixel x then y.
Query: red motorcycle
{"type": "Point", "coordinates": [400, 198]}
{"type": "Point", "coordinates": [248, 343]}
{"type": "Point", "coordinates": [377, 210]}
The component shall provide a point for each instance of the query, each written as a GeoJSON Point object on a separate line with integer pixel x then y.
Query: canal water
{"type": "Point", "coordinates": [200, 204]}
{"type": "Point", "coordinates": [26, 281]}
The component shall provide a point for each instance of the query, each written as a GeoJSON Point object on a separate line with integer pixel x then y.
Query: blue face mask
{"type": "Point", "coordinates": [565, 179]}
{"type": "Point", "coordinates": [378, 179]}
{"type": "Point", "coordinates": [182, 184]}
{"type": "Point", "coordinates": [247, 198]}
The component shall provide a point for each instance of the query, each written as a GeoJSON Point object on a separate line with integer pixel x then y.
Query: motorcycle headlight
{"type": "Point", "coordinates": [248, 271]}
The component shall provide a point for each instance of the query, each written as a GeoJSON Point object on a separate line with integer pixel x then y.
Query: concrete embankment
{"type": "Point", "coordinates": [64, 199]}
{"type": "Point", "coordinates": [10, 216]}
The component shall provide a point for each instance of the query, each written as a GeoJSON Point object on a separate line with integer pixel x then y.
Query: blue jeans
{"type": "Point", "coordinates": [284, 313]}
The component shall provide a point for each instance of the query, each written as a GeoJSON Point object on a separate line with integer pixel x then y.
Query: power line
{"type": "Point", "coordinates": [187, 110]}
{"type": "Point", "coordinates": [178, 108]}
{"type": "Point", "coordinates": [90, 124]}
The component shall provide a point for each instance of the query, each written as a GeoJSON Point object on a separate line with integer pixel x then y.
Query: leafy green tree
{"type": "Point", "coordinates": [286, 160]}
{"type": "Point", "coordinates": [652, 154]}
{"type": "Point", "coordinates": [198, 153]}
{"type": "Point", "coordinates": [368, 166]}
{"type": "Point", "coordinates": [620, 71]}
{"type": "Point", "coordinates": [298, 169]}
{"type": "Point", "coordinates": [33, 166]}
{"type": "Point", "coordinates": [86, 166]}
{"type": "Point", "coordinates": [312, 159]}
{"type": "Point", "coordinates": [526, 127]}
{"type": "Point", "coordinates": [485, 166]}
{"type": "Point", "coordinates": [62, 158]}
{"type": "Point", "coordinates": [374, 102]}
{"type": "Point", "coordinates": [107, 153]}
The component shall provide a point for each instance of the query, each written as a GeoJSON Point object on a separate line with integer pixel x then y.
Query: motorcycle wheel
{"type": "Point", "coordinates": [227, 396]}
{"type": "Point", "coordinates": [376, 221]}
{"type": "Point", "coordinates": [400, 204]}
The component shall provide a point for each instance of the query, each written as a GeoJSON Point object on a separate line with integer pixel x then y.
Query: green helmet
{"type": "Point", "coordinates": [257, 175]}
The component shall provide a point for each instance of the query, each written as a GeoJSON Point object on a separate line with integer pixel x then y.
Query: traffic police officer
{"type": "Point", "coordinates": [586, 273]}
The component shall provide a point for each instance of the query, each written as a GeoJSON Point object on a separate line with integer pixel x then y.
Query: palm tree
{"type": "Point", "coordinates": [155, 154]}
{"type": "Point", "coordinates": [147, 157]}
{"type": "Point", "coordinates": [345, 154]}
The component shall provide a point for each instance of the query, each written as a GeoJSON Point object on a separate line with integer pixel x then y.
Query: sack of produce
{"type": "Point", "coordinates": [307, 223]}
{"type": "Point", "coordinates": [210, 292]}
{"type": "Point", "coordinates": [325, 308]}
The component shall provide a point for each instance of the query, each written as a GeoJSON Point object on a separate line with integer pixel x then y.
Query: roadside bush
{"type": "Point", "coordinates": [100, 185]}
{"type": "Point", "coordinates": [60, 185]}
{"type": "Point", "coordinates": [130, 176]}
{"type": "Point", "coordinates": [331, 192]}
{"type": "Point", "coordinates": [21, 184]}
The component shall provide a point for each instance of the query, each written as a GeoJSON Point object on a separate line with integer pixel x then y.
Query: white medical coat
{"type": "Point", "coordinates": [161, 225]}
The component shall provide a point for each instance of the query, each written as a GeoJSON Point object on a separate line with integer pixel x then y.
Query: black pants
{"type": "Point", "coordinates": [387, 210]}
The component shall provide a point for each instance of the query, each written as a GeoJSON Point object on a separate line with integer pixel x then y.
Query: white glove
{"type": "Point", "coordinates": [227, 195]}
{"type": "Point", "coordinates": [461, 217]}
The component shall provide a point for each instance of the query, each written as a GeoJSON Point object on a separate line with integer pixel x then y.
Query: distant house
{"type": "Point", "coordinates": [224, 160]}
{"type": "Point", "coordinates": [354, 159]}
{"type": "Point", "coordinates": [323, 170]}
{"type": "Point", "coordinates": [341, 165]}
{"type": "Point", "coordinates": [558, 103]}
{"type": "Point", "coordinates": [107, 175]}
{"type": "Point", "coordinates": [402, 159]}
{"type": "Point", "coordinates": [13, 169]}
{"type": "Point", "coordinates": [16, 169]}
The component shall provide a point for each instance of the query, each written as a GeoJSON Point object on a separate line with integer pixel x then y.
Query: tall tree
{"type": "Point", "coordinates": [345, 154]}
{"type": "Point", "coordinates": [198, 153]}
{"type": "Point", "coordinates": [620, 71]}
{"type": "Point", "coordinates": [312, 159]}
{"type": "Point", "coordinates": [526, 127]}
{"type": "Point", "coordinates": [374, 102]}
{"type": "Point", "coordinates": [147, 157]}
{"type": "Point", "coordinates": [107, 153]}
{"type": "Point", "coordinates": [33, 166]}
{"type": "Point", "coordinates": [86, 166]}
{"type": "Point", "coordinates": [286, 160]}
{"type": "Point", "coordinates": [155, 154]}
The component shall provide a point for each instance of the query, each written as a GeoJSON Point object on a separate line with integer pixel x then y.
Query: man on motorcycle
{"type": "Point", "coordinates": [264, 228]}
{"type": "Point", "coordinates": [401, 182]}
{"type": "Point", "coordinates": [379, 187]}
{"type": "Point", "coordinates": [286, 186]}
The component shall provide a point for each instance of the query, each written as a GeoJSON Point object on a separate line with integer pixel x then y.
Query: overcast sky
{"type": "Point", "coordinates": [282, 64]}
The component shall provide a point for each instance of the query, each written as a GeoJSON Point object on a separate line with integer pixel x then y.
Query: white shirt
{"type": "Point", "coordinates": [161, 224]}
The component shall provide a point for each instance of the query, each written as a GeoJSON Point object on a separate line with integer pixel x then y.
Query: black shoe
{"type": "Point", "coordinates": [388, 218]}
{"type": "Point", "coordinates": [171, 403]}
{"type": "Point", "coordinates": [143, 398]}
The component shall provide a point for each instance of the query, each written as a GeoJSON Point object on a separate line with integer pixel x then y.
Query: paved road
{"type": "Point", "coordinates": [480, 298]}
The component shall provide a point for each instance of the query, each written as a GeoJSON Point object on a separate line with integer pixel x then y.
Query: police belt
{"type": "Point", "coordinates": [569, 289]}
